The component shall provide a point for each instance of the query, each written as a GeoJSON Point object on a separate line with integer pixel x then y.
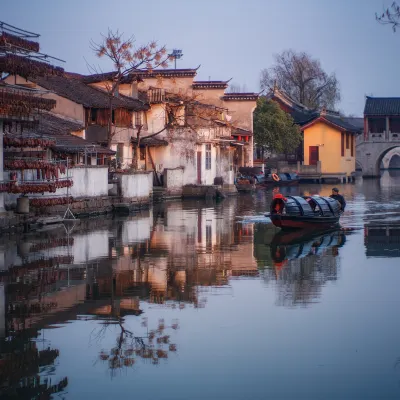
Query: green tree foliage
{"type": "Point", "coordinates": [274, 129]}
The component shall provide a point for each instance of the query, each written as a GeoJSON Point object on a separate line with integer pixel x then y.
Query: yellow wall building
{"type": "Point", "coordinates": [330, 144]}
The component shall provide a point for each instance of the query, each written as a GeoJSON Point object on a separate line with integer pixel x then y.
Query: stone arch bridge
{"type": "Point", "coordinates": [371, 153]}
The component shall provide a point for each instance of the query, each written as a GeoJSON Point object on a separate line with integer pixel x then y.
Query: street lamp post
{"type": "Point", "coordinates": [176, 54]}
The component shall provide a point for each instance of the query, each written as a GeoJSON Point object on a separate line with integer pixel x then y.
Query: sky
{"type": "Point", "coordinates": [229, 38]}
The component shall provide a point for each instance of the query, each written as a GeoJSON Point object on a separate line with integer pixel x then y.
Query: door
{"type": "Point", "coordinates": [199, 167]}
{"type": "Point", "coordinates": [313, 155]}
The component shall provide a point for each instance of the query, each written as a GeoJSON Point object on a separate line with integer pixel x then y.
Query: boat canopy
{"type": "Point", "coordinates": [307, 206]}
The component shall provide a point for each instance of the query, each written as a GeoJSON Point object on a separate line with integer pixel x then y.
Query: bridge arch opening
{"type": "Point", "coordinates": [381, 157]}
{"type": "Point", "coordinates": [394, 162]}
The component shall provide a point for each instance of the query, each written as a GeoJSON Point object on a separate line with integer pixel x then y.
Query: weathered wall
{"type": "Point", "coordinates": [169, 83]}
{"type": "Point", "coordinates": [328, 140]}
{"type": "Point", "coordinates": [88, 181]}
{"type": "Point", "coordinates": [225, 164]}
{"type": "Point", "coordinates": [136, 185]}
{"type": "Point", "coordinates": [173, 181]}
{"type": "Point", "coordinates": [181, 152]}
{"type": "Point", "coordinates": [210, 96]}
{"type": "Point", "coordinates": [155, 120]}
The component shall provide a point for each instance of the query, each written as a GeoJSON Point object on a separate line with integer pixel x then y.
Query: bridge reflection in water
{"type": "Point", "coordinates": [382, 239]}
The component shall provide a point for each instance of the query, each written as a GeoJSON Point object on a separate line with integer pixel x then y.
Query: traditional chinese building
{"type": "Point", "coordinates": [327, 151]}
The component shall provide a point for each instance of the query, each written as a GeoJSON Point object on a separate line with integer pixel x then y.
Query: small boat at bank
{"type": "Point", "coordinates": [245, 185]}
{"type": "Point", "coordinates": [261, 180]}
{"type": "Point", "coordinates": [283, 179]}
{"type": "Point", "coordinates": [307, 212]}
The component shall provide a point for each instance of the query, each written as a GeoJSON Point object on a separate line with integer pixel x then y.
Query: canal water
{"type": "Point", "coordinates": [195, 300]}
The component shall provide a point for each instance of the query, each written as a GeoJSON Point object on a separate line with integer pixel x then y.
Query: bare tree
{"type": "Point", "coordinates": [126, 58]}
{"type": "Point", "coordinates": [154, 345]}
{"type": "Point", "coordinates": [390, 16]}
{"type": "Point", "coordinates": [302, 78]}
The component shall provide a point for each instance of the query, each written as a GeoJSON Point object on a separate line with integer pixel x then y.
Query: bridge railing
{"type": "Point", "coordinates": [394, 137]}
{"type": "Point", "coordinates": [379, 137]}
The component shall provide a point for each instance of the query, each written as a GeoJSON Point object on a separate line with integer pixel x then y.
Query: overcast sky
{"type": "Point", "coordinates": [229, 38]}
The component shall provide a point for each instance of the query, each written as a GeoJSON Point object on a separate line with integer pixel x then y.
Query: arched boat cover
{"type": "Point", "coordinates": [326, 205]}
{"type": "Point", "coordinates": [306, 207]}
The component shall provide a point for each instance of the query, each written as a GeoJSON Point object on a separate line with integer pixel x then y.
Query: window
{"type": "Point", "coordinates": [347, 140]}
{"type": "Point", "coordinates": [112, 116]}
{"type": "Point", "coordinates": [342, 144]}
{"type": "Point", "coordinates": [352, 139]}
{"type": "Point", "coordinates": [93, 115]}
{"type": "Point", "coordinates": [142, 153]}
{"type": "Point", "coordinates": [208, 156]}
{"type": "Point", "coordinates": [138, 118]}
{"type": "Point", "coordinates": [120, 152]}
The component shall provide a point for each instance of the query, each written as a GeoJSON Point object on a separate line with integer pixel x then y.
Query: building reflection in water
{"type": "Point", "coordinates": [104, 268]}
{"type": "Point", "coordinates": [299, 265]}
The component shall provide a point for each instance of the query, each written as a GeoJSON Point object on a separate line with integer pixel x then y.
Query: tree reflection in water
{"type": "Point", "coordinates": [153, 346]}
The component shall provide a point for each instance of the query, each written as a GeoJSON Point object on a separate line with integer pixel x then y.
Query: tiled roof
{"type": "Point", "coordinates": [189, 72]}
{"type": "Point", "coordinates": [139, 75]}
{"type": "Point", "coordinates": [108, 76]}
{"type": "Point", "coordinates": [334, 120]}
{"type": "Point", "coordinates": [240, 97]}
{"type": "Point", "coordinates": [53, 126]}
{"type": "Point", "coordinates": [384, 106]}
{"type": "Point", "coordinates": [300, 113]}
{"type": "Point", "coordinates": [355, 121]}
{"type": "Point", "coordinates": [210, 84]}
{"type": "Point", "coordinates": [302, 117]}
{"type": "Point", "coordinates": [241, 132]}
{"type": "Point", "coordinates": [341, 122]}
{"type": "Point", "coordinates": [75, 90]}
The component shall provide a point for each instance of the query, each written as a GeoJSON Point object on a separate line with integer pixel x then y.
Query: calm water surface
{"type": "Point", "coordinates": [205, 301]}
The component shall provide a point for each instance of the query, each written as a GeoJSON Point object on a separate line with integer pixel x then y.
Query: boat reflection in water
{"type": "Point", "coordinates": [303, 264]}
{"type": "Point", "coordinates": [289, 246]}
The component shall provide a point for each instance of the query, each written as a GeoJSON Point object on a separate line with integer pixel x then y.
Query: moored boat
{"type": "Point", "coordinates": [261, 180]}
{"type": "Point", "coordinates": [245, 185]}
{"type": "Point", "coordinates": [282, 179]}
{"type": "Point", "coordinates": [308, 212]}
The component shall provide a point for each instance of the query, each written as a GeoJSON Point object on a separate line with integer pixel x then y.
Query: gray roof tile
{"type": "Point", "coordinates": [382, 106]}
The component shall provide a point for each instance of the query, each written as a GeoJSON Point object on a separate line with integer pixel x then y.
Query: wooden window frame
{"type": "Point", "coordinates": [342, 144]}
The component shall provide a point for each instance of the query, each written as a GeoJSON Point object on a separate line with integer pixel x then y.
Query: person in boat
{"type": "Point", "coordinates": [338, 197]}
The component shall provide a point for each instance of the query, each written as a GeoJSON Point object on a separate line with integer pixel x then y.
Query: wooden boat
{"type": "Point", "coordinates": [262, 180]}
{"type": "Point", "coordinates": [284, 179]}
{"type": "Point", "coordinates": [245, 185]}
{"type": "Point", "coordinates": [308, 212]}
